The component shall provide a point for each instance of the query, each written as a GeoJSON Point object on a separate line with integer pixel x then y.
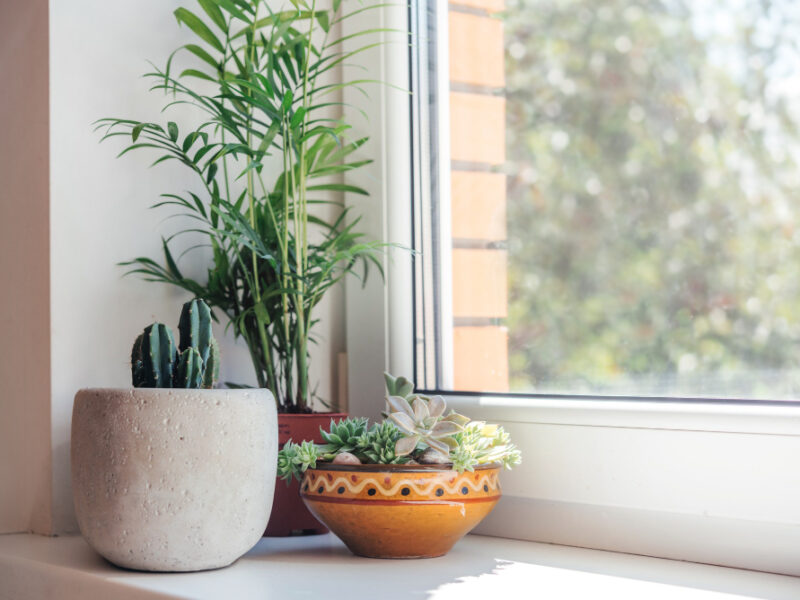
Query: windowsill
{"type": "Point", "coordinates": [320, 566]}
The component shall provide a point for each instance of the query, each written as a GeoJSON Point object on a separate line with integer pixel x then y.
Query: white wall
{"type": "Point", "coordinates": [99, 214]}
{"type": "Point", "coordinates": [24, 257]}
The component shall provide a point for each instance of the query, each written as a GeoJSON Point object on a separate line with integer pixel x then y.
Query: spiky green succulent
{"type": "Point", "coordinates": [343, 435]}
{"type": "Point", "coordinates": [295, 459]}
{"type": "Point", "coordinates": [377, 445]}
{"type": "Point", "coordinates": [374, 445]}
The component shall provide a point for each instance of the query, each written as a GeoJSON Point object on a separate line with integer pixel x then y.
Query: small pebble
{"type": "Point", "coordinates": [345, 458]}
{"type": "Point", "coordinates": [431, 457]}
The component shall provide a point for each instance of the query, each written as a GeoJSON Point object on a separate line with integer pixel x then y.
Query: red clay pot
{"type": "Point", "coordinates": [289, 514]}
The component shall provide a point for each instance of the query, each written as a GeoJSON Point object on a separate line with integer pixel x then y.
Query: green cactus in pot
{"type": "Point", "coordinates": [156, 362]}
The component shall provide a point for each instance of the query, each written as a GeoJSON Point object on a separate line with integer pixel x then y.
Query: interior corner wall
{"type": "Point", "coordinates": [99, 213]}
{"type": "Point", "coordinates": [25, 489]}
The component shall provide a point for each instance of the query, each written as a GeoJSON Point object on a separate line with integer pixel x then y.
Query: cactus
{"type": "Point", "coordinates": [156, 362]}
{"type": "Point", "coordinates": [153, 357]}
{"type": "Point", "coordinates": [194, 327]}
{"type": "Point", "coordinates": [211, 365]}
{"type": "Point", "coordinates": [189, 371]}
{"type": "Point", "coordinates": [137, 364]}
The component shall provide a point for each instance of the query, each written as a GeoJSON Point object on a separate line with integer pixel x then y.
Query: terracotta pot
{"type": "Point", "coordinates": [399, 511]}
{"type": "Point", "coordinates": [289, 515]}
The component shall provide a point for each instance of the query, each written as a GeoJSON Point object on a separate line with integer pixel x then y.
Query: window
{"type": "Point", "coordinates": [705, 481]}
{"type": "Point", "coordinates": [607, 197]}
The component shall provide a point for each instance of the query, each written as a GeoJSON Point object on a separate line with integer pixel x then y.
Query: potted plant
{"type": "Point", "coordinates": [266, 155]}
{"type": "Point", "coordinates": [409, 487]}
{"type": "Point", "coordinates": [171, 475]}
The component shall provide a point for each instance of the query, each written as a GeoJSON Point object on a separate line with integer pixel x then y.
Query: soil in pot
{"type": "Point", "coordinates": [290, 516]}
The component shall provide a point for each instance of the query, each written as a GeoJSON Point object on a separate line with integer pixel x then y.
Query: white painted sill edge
{"type": "Point", "coordinates": [320, 566]}
{"type": "Point", "coordinates": [732, 417]}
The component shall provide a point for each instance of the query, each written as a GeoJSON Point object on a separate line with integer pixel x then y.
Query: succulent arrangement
{"type": "Point", "coordinates": [156, 361]}
{"type": "Point", "coordinates": [417, 429]}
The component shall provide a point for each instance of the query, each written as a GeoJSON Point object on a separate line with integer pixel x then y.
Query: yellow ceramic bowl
{"type": "Point", "coordinates": [399, 511]}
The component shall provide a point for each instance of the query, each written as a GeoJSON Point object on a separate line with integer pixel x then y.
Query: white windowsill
{"type": "Point", "coordinates": [321, 567]}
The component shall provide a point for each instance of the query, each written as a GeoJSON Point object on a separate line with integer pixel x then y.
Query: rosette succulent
{"type": "Point", "coordinates": [478, 444]}
{"type": "Point", "coordinates": [377, 446]}
{"type": "Point", "coordinates": [294, 459]}
{"type": "Point", "coordinates": [424, 425]}
{"type": "Point", "coordinates": [344, 435]}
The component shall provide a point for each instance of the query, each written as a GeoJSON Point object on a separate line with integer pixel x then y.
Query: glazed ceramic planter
{"type": "Point", "coordinates": [399, 511]}
{"type": "Point", "coordinates": [289, 514]}
{"type": "Point", "coordinates": [171, 479]}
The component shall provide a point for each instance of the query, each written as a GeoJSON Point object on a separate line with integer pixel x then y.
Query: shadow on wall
{"type": "Point", "coordinates": [64, 509]}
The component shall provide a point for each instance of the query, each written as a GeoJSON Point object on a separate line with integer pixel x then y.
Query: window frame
{"type": "Point", "coordinates": [694, 455]}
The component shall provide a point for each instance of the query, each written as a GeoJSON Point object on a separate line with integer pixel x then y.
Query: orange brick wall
{"type": "Point", "coordinates": [478, 201]}
{"type": "Point", "coordinates": [479, 283]}
{"type": "Point", "coordinates": [477, 128]}
{"type": "Point", "coordinates": [476, 48]}
{"type": "Point", "coordinates": [481, 358]}
{"type": "Point", "coordinates": [478, 205]}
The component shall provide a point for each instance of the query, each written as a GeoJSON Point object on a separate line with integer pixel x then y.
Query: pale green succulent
{"type": "Point", "coordinates": [479, 444]}
{"type": "Point", "coordinates": [295, 459]}
{"type": "Point", "coordinates": [398, 386]}
{"type": "Point", "coordinates": [422, 423]}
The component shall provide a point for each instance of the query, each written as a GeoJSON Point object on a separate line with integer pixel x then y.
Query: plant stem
{"type": "Point", "coordinates": [287, 148]}
{"type": "Point", "coordinates": [254, 358]}
{"type": "Point", "coordinates": [301, 234]}
{"type": "Point", "coordinates": [262, 332]}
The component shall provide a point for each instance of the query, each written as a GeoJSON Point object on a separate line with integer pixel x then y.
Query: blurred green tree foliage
{"type": "Point", "coordinates": [654, 196]}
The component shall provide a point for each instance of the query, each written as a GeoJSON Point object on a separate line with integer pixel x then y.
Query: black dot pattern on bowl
{"type": "Point", "coordinates": [340, 490]}
{"type": "Point", "coordinates": [440, 492]}
{"type": "Point", "coordinates": [485, 488]}
{"type": "Point", "coordinates": [405, 491]}
{"type": "Point", "coordinates": [371, 491]}
{"type": "Point", "coordinates": [465, 490]}
{"type": "Point", "coordinates": [320, 489]}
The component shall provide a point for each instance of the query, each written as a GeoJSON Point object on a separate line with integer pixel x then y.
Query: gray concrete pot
{"type": "Point", "coordinates": [171, 479]}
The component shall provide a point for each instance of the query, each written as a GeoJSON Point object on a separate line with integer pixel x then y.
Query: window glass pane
{"type": "Point", "coordinates": [623, 205]}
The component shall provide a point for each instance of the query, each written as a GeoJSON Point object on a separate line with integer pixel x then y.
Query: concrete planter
{"type": "Point", "coordinates": [171, 479]}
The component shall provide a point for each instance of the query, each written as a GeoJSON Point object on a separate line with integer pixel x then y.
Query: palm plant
{"type": "Point", "coordinates": [267, 96]}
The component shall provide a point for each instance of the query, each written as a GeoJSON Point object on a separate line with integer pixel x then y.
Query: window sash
{"type": "Point", "coordinates": [704, 481]}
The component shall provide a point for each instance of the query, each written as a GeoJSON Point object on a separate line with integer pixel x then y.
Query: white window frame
{"type": "Point", "coordinates": [703, 481]}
